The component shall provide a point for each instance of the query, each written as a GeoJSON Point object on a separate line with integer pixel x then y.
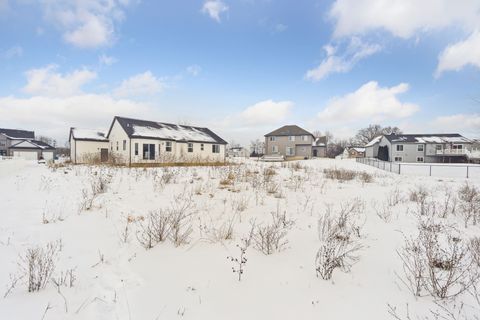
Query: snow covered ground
{"type": "Point", "coordinates": [96, 214]}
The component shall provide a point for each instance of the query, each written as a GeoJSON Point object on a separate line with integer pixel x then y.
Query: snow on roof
{"type": "Point", "coordinates": [428, 138]}
{"type": "Point", "coordinates": [359, 149]}
{"type": "Point", "coordinates": [174, 132]}
{"type": "Point", "coordinates": [88, 134]}
{"type": "Point", "coordinates": [31, 144]}
{"type": "Point", "coordinates": [374, 141]}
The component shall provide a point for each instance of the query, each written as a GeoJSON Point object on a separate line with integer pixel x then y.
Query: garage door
{"type": "Point", "coordinates": [47, 155]}
{"type": "Point", "coordinates": [27, 155]}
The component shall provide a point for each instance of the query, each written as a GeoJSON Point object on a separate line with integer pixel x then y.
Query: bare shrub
{"type": "Point", "coordinates": [340, 174]}
{"type": "Point", "coordinates": [419, 194]}
{"type": "Point", "coordinates": [225, 231]}
{"type": "Point", "coordinates": [394, 197]}
{"type": "Point", "coordinates": [438, 262]}
{"type": "Point", "coordinates": [66, 278]}
{"type": "Point", "coordinates": [383, 211]}
{"type": "Point", "coordinates": [475, 249]}
{"type": "Point", "coordinates": [272, 237]}
{"type": "Point", "coordinates": [240, 261]}
{"type": "Point", "coordinates": [179, 220]}
{"type": "Point", "coordinates": [449, 202]}
{"type": "Point", "coordinates": [154, 229]}
{"type": "Point", "coordinates": [365, 177]}
{"type": "Point", "coordinates": [469, 203]}
{"type": "Point", "coordinates": [38, 264]}
{"type": "Point", "coordinates": [339, 235]}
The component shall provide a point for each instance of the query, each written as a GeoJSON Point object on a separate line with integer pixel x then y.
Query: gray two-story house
{"type": "Point", "coordinates": [293, 141]}
{"type": "Point", "coordinates": [10, 137]}
{"type": "Point", "coordinates": [410, 148]}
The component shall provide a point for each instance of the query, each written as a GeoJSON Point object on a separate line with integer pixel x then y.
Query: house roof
{"type": "Point", "coordinates": [87, 134]}
{"type": "Point", "coordinates": [17, 134]}
{"type": "Point", "coordinates": [320, 142]}
{"type": "Point", "coordinates": [427, 138]}
{"type": "Point", "coordinates": [374, 141]}
{"type": "Point", "coordinates": [146, 129]}
{"type": "Point", "coordinates": [32, 144]}
{"type": "Point", "coordinates": [289, 130]}
{"type": "Point", "coordinates": [357, 149]}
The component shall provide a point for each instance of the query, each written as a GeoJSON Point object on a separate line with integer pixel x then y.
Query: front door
{"type": "Point", "coordinates": [103, 155]}
{"type": "Point", "coordinates": [315, 152]}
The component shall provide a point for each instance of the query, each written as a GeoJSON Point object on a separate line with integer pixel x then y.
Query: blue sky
{"type": "Point", "coordinates": [241, 67]}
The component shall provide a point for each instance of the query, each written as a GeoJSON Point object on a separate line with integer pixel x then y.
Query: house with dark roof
{"type": "Point", "coordinates": [432, 148]}
{"type": "Point", "coordinates": [292, 141]}
{"type": "Point", "coordinates": [22, 144]}
{"type": "Point", "coordinates": [132, 141]}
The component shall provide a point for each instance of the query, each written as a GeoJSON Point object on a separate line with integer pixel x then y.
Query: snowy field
{"type": "Point", "coordinates": [167, 243]}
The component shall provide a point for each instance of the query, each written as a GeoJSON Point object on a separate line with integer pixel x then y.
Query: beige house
{"type": "Point", "coordinates": [293, 141]}
{"type": "Point", "coordinates": [88, 146]}
{"type": "Point", "coordinates": [131, 141]}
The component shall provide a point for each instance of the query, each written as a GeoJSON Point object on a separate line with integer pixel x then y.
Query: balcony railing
{"type": "Point", "coordinates": [449, 152]}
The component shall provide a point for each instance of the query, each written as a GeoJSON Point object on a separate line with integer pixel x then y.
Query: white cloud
{"type": "Point", "coordinates": [214, 8]}
{"type": "Point", "coordinates": [194, 70]}
{"type": "Point", "coordinates": [141, 84]}
{"type": "Point", "coordinates": [355, 51]}
{"type": "Point", "coordinates": [86, 23]}
{"type": "Point", "coordinates": [409, 18]}
{"type": "Point", "coordinates": [460, 54]}
{"type": "Point", "coordinates": [402, 18]}
{"type": "Point", "coordinates": [107, 60]}
{"type": "Point", "coordinates": [53, 116]}
{"type": "Point", "coordinates": [13, 52]}
{"type": "Point", "coordinates": [370, 102]}
{"type": "Point", "coordinates": [266, 112]}
{"type": "Point", "coordinates": [468, 124]}
{"type": "Point", "coordinates": [47, 82]}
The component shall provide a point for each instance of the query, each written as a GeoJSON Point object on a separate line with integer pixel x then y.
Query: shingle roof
{"type": "Point", "coordinates": [136, 128]}
{"type": "Point", "coordinates": [289, 130]}
{"type": "Point", "coordinates": [32, 144]}
{"type": "Point", "coordinates": [87, 134]}
{"type": "Point", "coordinates": [428, 138]}
{"type": "Point", "coordinates": [18, 134]}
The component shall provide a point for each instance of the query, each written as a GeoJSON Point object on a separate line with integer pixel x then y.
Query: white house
{"type": "Point", "coordinates": [22, 144]}
{"type": "Point", "coordinates": [131, 141]}
{"type": "Point", "coordinates": [88, 146]}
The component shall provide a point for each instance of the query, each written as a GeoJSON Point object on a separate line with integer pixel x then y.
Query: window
{"type": "Point", "coordinates": [136, 149]}
{"type": "Point", "coordinates": [398, 159]}
{"type": "Point", "coordinates": [419, 159]}
{"type": "Point", "coordinates": [202, 147]}
{"type": "Point", "coordinates": [215, 148]}
{"type": "Point", "coordinates": [124, 145]}
{"type": "Point", "coordinates": [399, 147]}
{"type": "Point", "coordinates": [420, 147]}
{"type": "Point", "coordinates": [304, 138]}
{"type": "Point", "coordinates": [111, 146]}
{"type": "Point", "coordinates": [117, 145]}
{"type": "Point", "coordinates": [272, 138]}
{"type": "Point", "coordinates": [168, 146]}
{"type": "Point", "coordinates": [274, 149]}
{"type": "Point", "coordinates": [457, 146]}
{"type": "Point", "coordinates": [438, 147]}
{"type": "Point", "coordinates": [291, 138]}
{"type": "Point", "coordinates": [190, 147]}
{"type": "Point", "coordinates": [148, 152]}
{"type": "Point", "coordinates": [290, 151]}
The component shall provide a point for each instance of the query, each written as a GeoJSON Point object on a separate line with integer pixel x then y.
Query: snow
{"type": "Point", "coordinates": [90, 134]}
{"type": "Point", "coordinates": [374, 141]}
{"type": "Point", "coordinates": [195, 280]}
{"type": "Point", "coordinates": [176, 132]}
{"type": "Point", "coordinates": [441, 139]}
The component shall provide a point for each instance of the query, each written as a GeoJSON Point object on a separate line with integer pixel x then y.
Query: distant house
{"type": "Point", "coordinates": [130, 141]}
{"type": "Point", "coordinates": [354, 152]}
{"type": "Point", "coordinates": [293, 141]}
{"type": "Point", "coordinates": [22, 144]}
{"type": "Point", "coordinates": [235, 152]}
{"type": "Point", "coordinates": [420, 148]}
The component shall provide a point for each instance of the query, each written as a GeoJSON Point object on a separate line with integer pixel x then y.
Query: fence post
{"type": "Point", "coordinates": [399, 168]}
{"type": "Point", "coordinates": [467, 171]}
{"type": "Point", "coordinates": [430, 170]}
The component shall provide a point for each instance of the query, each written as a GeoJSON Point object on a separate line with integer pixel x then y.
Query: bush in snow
{"type": "Point", "coordinates": [469, 203]}
{"type": "Point", "coordinates": [272, 237]}
{"type": "Point", "coordinates": [339, 235]}
{"type": "Point", "coordinates": [38, 265]}
{"type": "Point", "coordinates": [154, 229]}
{"type": "Point", "coordinates": [438, 262]}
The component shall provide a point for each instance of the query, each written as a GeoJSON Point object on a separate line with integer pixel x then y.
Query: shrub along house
{"type": "Point", "coordinates": [432, 148]}
{"type": "Point", "coordinates": [22, 144]}
{"type": "Point", "coordinates": [293, 141]}
{"type": "Point", "coordinates": [130, 141]}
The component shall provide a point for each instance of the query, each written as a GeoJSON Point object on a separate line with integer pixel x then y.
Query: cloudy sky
{"type": "Point", "coordinates": [241, 67]}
